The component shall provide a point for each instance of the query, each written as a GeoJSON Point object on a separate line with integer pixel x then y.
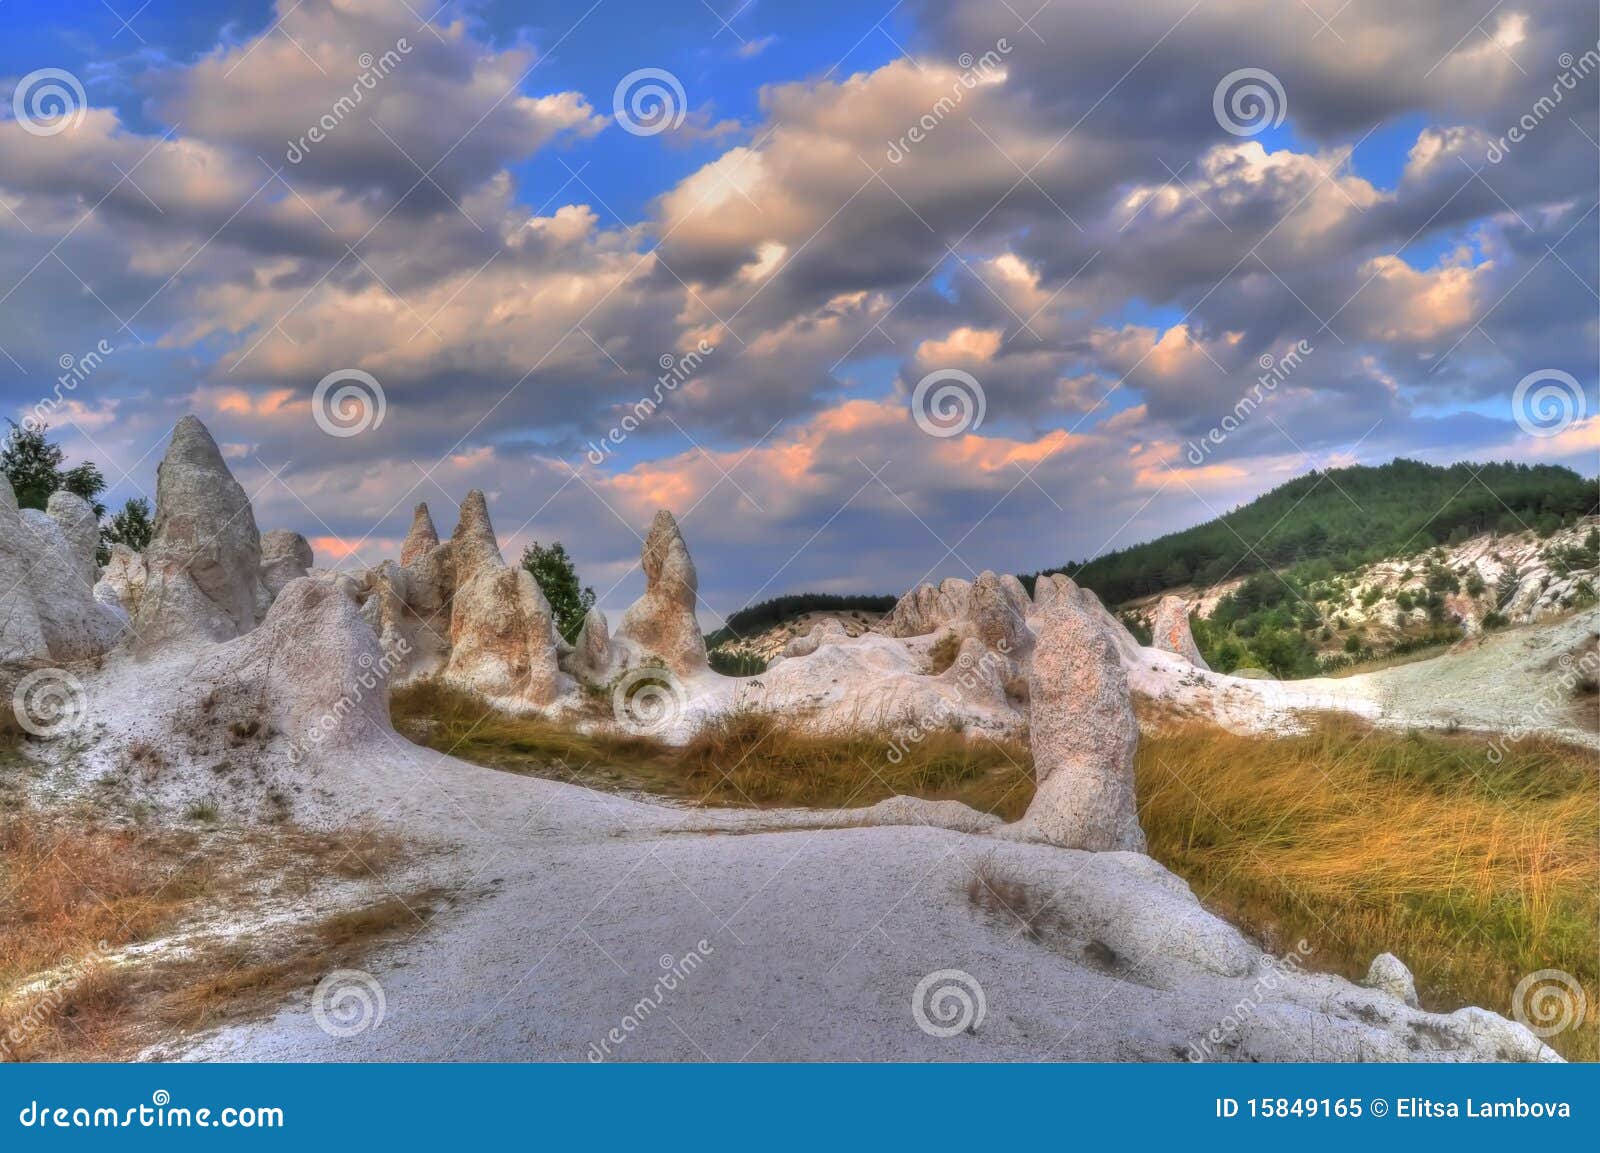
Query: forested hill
{"type": "Point", "coordinates": [1351, 517]}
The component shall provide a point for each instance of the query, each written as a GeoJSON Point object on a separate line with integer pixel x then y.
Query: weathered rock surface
{"type": "Point", "coordinates": [21, 633]}
{"type": "Point", "coordinates": [1389, 974]}
{"type": "Point", "coordinates": [204, 559]}
{"type": "Point", "coordinates": [122, 580]}
{"type": "Point", "coordinates": [285, 556]}
{"type": "Point", "coordinates": [1084, 736]}
{"type": "Point", "coordinates": [927, 608]}
{"type": "Point", "coordinates": [421, 538]}
{"type": "Point", "coordinates": [48, 609]}
{"type": "Point", "coordinates": [661, 624]}
{"type": "Point", "coordinates": [503, 643]}
{"type": "Point", "coordinates": [590, 658]}
{"type": "Point", "coordinates": [1171, 632]}
{"type": "Point", "coordinates": [828, 630]}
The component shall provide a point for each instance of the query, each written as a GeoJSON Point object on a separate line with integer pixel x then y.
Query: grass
{"type": "Point", "coordinates": [1362, 841]}
{"type": "Point", "coordinates": [76, 892]}
{"type": "Point", "coordinates": [746, 760]}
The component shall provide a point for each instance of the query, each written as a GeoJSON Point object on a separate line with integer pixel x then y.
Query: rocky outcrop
{"type": "Point", "coordinates": [285, 556]}
{"type": "Point", "coordinates": [503, 643]}
{"type": "Point", "coordinates": [1171, 631]}
{"type": "Point", "coordinates": [826, 631]}
{"type": "Point", "coordinates": [1389, 974]}
{"type": "Point", "coordinates": [1084, 736]}
{"type": "Point", "coordinates": [928, 608]}
{"type": "Point", "coordinates": [996, 617]}
{"type": "Point", "coordinates": [661, 624]}
{"type": "Point", "coordinates": [590, 659]}
{"type": "Point", "coordinates": [422, 537]}
{"type": "Point", "coordinates": [122, 580]}
{"type": "Point", "coordinates": [21, 634]}
{"type": "Point", "coordinates": [204, 559]}
{"type": "Point", "coordinates": [48, 609]}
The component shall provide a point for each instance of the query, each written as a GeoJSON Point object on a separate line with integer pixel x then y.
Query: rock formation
{"type": "Point", "coordinates": [1084, 736]}
{"type": "Point", "coordinates": [21, 635]}
{"type": "Point", "coordinates": [1170, 633]}
{"type": "Point", "coordinates": [48, 609]}
{"type": "Point", "coordinates": [503, 642]}
{"type": "Point", "coordinates": [590, 659]}
{"type": "Point", "coordinates": [1389, 974]}
{"type": "Point", "coordinates": [122, 580]}
{"type": "Point", "coordinates": [285, 556]}
{"type": "Point", "coordinates": [927, 608]}
{"type": "Point", "coordinates": [661, 624]}
{"type": "Point", "coordinates": [422, 537]}
{"type": "Point", "coordinates": [826, 631]}
{"type": "Point", "coordinates": [204, 560]}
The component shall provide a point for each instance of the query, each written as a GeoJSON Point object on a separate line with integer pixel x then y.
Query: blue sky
{"type": "Point", "coordinates": [1077, 233]}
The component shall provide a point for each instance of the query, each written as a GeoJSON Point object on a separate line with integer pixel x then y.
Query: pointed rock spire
{"type": "Point", "coordinates": [422, 538]}
{"type": "Point", "coordinates": [476, 549]}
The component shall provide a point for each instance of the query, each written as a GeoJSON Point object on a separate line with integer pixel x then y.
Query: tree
{"type": "Point", "coordinates": [130, 526]}
{"type": "Point", "coordinates": [558, 579]}
{"type": "Point", "coordinates": [33, 466]}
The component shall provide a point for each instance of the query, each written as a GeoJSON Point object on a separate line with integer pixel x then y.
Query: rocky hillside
{"type": "Point", "coordinates": [1310, 618]}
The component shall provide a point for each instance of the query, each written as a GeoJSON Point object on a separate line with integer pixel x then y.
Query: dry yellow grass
{"type": "Point", "coordinates": [74, 891]}
{"type": "Point", "coordinates": [1362, 841]}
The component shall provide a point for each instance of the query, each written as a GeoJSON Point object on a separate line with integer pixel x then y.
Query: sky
{"type": "Point", "coordinates": [865, 293]}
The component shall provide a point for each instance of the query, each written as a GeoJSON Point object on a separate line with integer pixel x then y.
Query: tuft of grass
{"type": "Point", "coordinates": [1361, 841]}
{"type": "Point", "coordinates": [944, 653]}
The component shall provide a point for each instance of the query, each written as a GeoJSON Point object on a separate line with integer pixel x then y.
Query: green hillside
{"type": "Point", "coordinates": [1348, 517]}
